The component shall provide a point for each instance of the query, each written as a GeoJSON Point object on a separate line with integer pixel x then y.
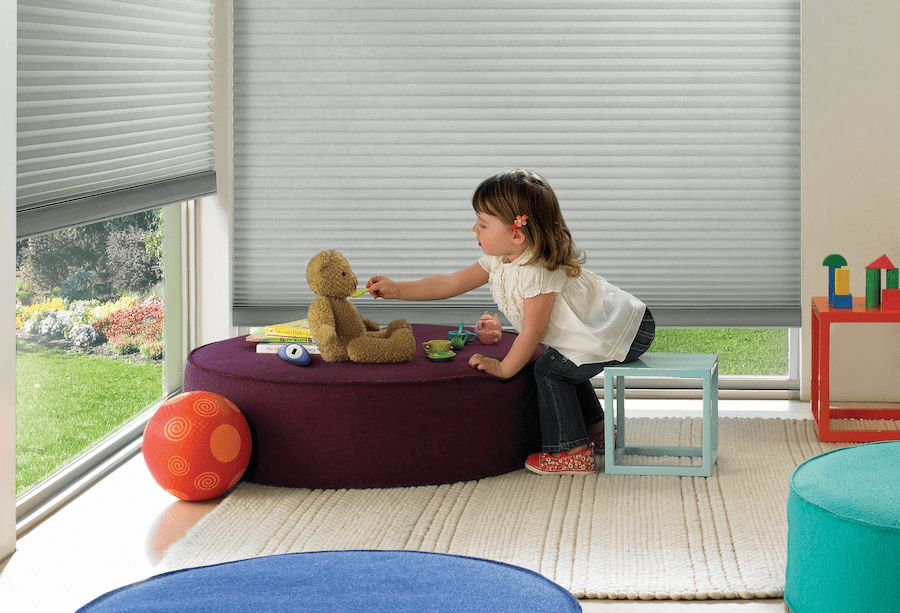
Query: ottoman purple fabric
{"type": "Point", "coordinates": [337, 425]}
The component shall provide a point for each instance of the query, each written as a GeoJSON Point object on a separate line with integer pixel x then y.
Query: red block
{"type": "Point", "coordinates": [890, 300]}
{"type": "Point", "coordinates": [882, 263]}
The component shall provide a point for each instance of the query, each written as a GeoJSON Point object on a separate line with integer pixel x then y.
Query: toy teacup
{"type": "Point", "coordinates": [458, 340]}
{"type": "Point", "coordinates": [436, 346]}
{"type": "Point", "coordinates": [469, 335]}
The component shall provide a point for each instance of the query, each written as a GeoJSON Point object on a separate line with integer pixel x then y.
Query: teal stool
{"type": "Point", "coordinates": [675, 365]}
{"type": "Point", "coordinates": [843, 541]}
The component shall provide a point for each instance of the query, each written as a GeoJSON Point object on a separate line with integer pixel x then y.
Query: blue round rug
{"type": "Point", "coordinates": [369, 581]}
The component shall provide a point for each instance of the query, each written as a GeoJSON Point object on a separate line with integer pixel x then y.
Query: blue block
{"type": "Point", "coordinates": [842, 302]}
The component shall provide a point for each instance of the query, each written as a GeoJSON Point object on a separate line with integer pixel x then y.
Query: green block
{"type": "Point", "coordinates": [893, 279]}
{"type": "Point", "coordinates": [873, 287]}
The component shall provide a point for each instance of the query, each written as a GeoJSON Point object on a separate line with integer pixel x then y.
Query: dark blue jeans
{"type": "Point", "coordinates": [567, 402]}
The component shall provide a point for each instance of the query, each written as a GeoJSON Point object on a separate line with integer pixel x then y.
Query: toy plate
{"type": "Point", "coordinates": [441, 356]}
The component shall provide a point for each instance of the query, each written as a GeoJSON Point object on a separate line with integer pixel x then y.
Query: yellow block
{"type": "Point", "coordinates": [842, 281]}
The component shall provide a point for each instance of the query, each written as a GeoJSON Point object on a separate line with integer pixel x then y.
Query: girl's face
{"type": "Point", "coordinates": [495, 238]}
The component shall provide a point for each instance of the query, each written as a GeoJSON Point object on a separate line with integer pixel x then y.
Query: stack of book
{"type": "Point", "coordinates": [269, 339]}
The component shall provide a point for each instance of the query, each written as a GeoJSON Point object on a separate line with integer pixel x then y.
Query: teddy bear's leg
{"type": "Point", "coordinates": [397, 324]}
{"type": "Point", "coordinates": [400, 347]}
{"type": "Point", "coordinates": [335, 352]}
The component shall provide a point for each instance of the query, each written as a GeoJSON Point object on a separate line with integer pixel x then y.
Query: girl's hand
{"type": "Point", "coordinates": [537, 314]}
{"type": "Point", "coordinates": [489, 365]}
{"type": "Point", "coordinates": [382, 287]}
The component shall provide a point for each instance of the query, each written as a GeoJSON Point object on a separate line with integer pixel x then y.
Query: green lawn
{"type": "Point", "coordinates": [742, 351]}
{"type": "Point", "coordinates": [67, 401]}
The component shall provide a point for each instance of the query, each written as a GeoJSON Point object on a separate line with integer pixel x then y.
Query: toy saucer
{"type": "Point", "coordinates": [441, 356]}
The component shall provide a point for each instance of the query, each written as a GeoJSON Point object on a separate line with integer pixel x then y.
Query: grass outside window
{"type": "Point", "coordinates": [68, 401]}
{"type": "Point", "coordinates": [742, 351]}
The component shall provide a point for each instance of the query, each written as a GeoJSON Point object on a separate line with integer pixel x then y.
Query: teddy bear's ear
{"type": "Point", "coordinates": [319, 261]}
{"type": "Point", "coordinates": [315, 265]}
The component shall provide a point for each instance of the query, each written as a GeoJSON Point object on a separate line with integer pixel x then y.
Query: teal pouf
{"type": "Point", "coordinates": [843, 544]}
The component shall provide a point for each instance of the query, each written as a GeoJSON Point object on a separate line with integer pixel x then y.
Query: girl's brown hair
{"type": "Point", "coordinates": [522, 192]}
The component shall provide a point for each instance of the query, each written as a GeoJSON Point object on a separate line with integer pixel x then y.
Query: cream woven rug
{"type": "Point", "coordinates": [599, 536]}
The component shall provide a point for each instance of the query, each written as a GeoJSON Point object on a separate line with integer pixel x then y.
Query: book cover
{"type": "Point", "coordinates": [291, 329]}
{"type": "Point", "coordinates": [259, 338]}
{"type": "Point", "coordinates": [274, 347]}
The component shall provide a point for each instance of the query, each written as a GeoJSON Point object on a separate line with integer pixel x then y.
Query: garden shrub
{"type": "Point", "coordinates": [132, 266]}
{"type": "Point", "coordinates": [105, 310]}
{"type": "Point", "coordinates": [83, 336]}
{"type": "Point", "coordinates": [55, 324]}
{"type": "Point", "coordinates": [127, 328]}
{"type": "Point", "coordinates": [29, 312]}
{"type": "Point", "coordinates": [47, 260]}
{"type": "Point", "coordinates": [150, 349]}
{"type": "Point", "coordinates": [23, 292]}
{"type": "Point", "coordinates": [121, 345]}
{"type": "Point", "coordinates": [77, 286]}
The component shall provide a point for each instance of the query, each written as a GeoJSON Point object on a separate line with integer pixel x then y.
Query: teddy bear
{"type": "Point", "coordinates": [338, 329]}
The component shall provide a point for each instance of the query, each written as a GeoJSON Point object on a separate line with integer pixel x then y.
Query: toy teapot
{"type": "Point", "coordinates": [488, 329]}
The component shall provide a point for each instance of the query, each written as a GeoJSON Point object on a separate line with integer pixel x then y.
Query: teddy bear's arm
{"type": "Point", "coordinates": [321, 322]}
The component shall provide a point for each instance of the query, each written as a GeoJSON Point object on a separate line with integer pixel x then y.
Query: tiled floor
{"type": "Point", "coordinates": [117, 532]}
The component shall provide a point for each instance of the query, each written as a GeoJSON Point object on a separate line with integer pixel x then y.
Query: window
{"type": "Point", "coordinates": [99, 343]}
{"type": "Point", "coordinates": [669, 130]}
{"type": "Point", "coordinates": [113, 119]}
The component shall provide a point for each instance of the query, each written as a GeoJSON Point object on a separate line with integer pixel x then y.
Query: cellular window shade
{"type": "Point", "coordinates": [669, 130]}
{"type": "Point", "coordinates": [114, 108]}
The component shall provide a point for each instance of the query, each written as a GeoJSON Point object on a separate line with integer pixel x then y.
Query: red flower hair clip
{"type": "Point", "coordinates": [521, 221]}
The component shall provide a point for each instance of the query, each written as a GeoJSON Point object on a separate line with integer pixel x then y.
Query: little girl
{"type": "Point", "coordinates": [537, 281]}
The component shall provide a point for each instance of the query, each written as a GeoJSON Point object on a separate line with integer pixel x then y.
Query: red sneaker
{"type": "Point", "coordinates": [599, 441]}
{"type": "Point", "coordinates": [580, 463]}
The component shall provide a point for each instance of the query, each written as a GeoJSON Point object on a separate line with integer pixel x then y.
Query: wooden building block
{"type": "Point", "coordinates": [842, 281]}
{"type": "Point", "coordinates": [890, 299]}
{"type": "Point", "coordinates": [873, 287]}
{"type": "Point", "coordinates": [842, 302]}
{"type": "Point", "coordinates": [893, 279]}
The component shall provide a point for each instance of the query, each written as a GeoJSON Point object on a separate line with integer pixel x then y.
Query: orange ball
{"type": "Point", "coordinates": [197, 445]}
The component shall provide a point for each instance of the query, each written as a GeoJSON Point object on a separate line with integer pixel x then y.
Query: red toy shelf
{"type": "Point", "coordinates": [823, 315]}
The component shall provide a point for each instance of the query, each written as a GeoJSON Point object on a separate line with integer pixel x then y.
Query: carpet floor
{"type": "Point", "coordinates": [599, 536]}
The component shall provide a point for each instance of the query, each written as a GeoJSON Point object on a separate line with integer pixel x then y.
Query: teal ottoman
{"type": "Point", "coordinates": [843, 543]}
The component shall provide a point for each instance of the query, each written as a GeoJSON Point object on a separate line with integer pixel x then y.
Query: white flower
{"type": "Point", "coordinates": [83, 335]}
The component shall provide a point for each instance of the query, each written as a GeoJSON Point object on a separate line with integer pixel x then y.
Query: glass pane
{"type": "Point", "coordinates": [742, 351]}
{"type": "Point", "coordinates": [89, 338]}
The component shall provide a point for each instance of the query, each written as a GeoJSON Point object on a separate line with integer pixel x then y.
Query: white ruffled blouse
{"type": "Point", "coordinates": [592, 321]}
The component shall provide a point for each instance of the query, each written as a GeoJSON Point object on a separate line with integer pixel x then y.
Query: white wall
{"type": "Point", "coordinates": [7, 274]}
{"type": "Point", "coordinates": [850, 177]}
{"type": "Point", "coordinates": [213, 280]}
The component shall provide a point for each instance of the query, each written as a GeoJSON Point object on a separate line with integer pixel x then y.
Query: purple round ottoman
{"type": "Point", "coordinates": [337, 425]}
